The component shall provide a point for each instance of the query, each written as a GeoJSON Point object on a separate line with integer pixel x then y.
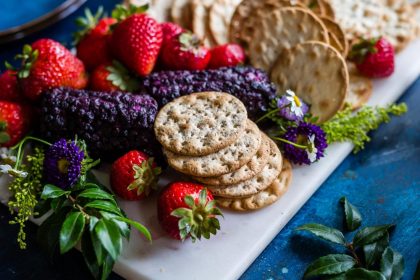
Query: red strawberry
{"type": "Point", "coordinates": [136, 42]}
{"type": "Point", "coordinates": [188, 210]}
{"type": "Point", "coordinates": [170, 30]}
{"type": "Point", "coordinates": [185, 52]}
{"type": "Point", "coordinates": [14, 123]}
{"type": "Point", "coordinates": [133, 175]}
{"type": "Point", "coordinates": [111, 77]}
{"type": "Point", "coordinates": [374, 58]}
{"type": "Point", "coordinates": [48, 64]}
{"type": "Point", "coordinates": [226, 55]}
{"type": "Point", "coordinates": [92, 40]}
{"type": "Point", "coordinates": [9, 87]}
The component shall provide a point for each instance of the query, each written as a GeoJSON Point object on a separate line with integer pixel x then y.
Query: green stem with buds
{"type": "Point", "coordinates": [19, 146]}
{"type": "Point", "coordinates": [289, 142]}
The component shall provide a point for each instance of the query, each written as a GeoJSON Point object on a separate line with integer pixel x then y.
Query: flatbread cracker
{"type": "Point", "coordinates": [220, 15]}
{"type": "Point", "coordinates": [256, 184]}
{"type": "Point", "coordinates": [339, 40]}
{"type": "Point", "coordinates": [200, 123]}
{"type": "Point", "coordinates": [246, 172]}
{"type": "Point", "coordinates": [223, 161]}
{"type": "Point", "coordinates": [360, 89]}
{"type": "Point", "coordinates": [264, 198]}
{"type": "Point", "coordinates": [317, 73]}
{"type": "Point", "coordinates": [281, 29]}
{"type": "Point", "coordinates": [181, 13]}
{"type": "Point", "coordinates": [200, 21]}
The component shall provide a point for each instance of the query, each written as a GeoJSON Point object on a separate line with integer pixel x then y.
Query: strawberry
{"type": "Point", "coordinates": [48, 64]}
{"type": "Point", "coordinates": [9, 87]}
{"type": "Point", "coordinates": [188, 210]}
{"type": "Point", "coordinates": [226, 55]}
{"type": "Point", "coordinates": [14, 123]}
{"type": "Point", "coordinates": [374, 58]}
{"type": "Point", "coordinates": [136, 42]}
{"type": "Point", "coordinates": [170, 30]}
{"type": "Point", "coordinates": [185, 52]}
{"type": "Point", "coordinates": [133, 175]}
{"type": "Point", "coordinates": [112, 77]}
{"type": "Point", "coordinates": [92, 40]}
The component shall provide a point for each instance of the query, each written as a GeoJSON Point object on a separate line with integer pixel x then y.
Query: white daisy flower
{"type": "Point", "coordinates": [295, 103]}
{"type": "Point", "coordinates": [311, 150]}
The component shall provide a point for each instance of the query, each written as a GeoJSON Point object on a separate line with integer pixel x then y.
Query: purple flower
{"type": "Point", "coordinates": [63, 163]}
{"type": "Point", "coordinates": [312, 139]}
{"type": "Point", "coordinates": [291, 107]}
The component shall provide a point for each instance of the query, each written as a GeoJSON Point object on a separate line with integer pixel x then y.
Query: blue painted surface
{"type": "Point", "coordinates": [383, 181]}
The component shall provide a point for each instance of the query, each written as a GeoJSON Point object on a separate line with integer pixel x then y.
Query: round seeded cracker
{"type": "Point", "coordinates": [246, 172]}
{"type": "Point", "coordinates": [200, 123]}
{"type": "Point", "coordinates": [223, 161]}
{"type": "Point", "coordinates": [181, 13]}
{"type": "Point", "coordinates": [339, 40]}
{"type": "Point", "coordinates": [360, 88]}
{"type": "Point", "coordinates": [200, 20]}
{"type": "Point", "coordinates": [257, 183]}
{"type": "Point", "coordinates": [281, 29]}
{"type": "Point", "coordinates": [220, 15]}
{"type": "Point", "coordinates": [317, 73]}
{"type": "Point", "coordinates": [264, 198]}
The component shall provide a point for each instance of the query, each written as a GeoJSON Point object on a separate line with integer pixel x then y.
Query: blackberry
{"type": "Point", "coordinates": [111, 123]}
{"type": "Point", "coordinates": [252, 86]}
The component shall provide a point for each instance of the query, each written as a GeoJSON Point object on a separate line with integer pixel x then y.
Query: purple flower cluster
{"type": "Point", "coordinates": [63, 164]}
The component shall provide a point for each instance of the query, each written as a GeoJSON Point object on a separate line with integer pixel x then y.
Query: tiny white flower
{"type": "Point", "coordinates": [295, 104]}
{"type": "Point", "coordinates": [311, 150]}
{"type": "Point", "coordinates": [5, 168]}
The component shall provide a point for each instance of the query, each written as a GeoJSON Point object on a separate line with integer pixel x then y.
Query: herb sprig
{"type": "Point", "coordinates": [369, 255]}
{"type": "Point", "coordinates": [354, 127]}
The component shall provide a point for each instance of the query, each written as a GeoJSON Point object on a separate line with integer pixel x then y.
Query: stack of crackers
{"type": "Point", "coordinates": [209, 137]}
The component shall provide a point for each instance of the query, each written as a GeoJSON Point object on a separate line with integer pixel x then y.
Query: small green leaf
{"type": "Point", "coordinates": [142, 229]}
{"type": "Point", "coordinates": [100, 253]}
{"type": "Point", "coordinates": [392, 264]}
{"type": "Point", "coordinates": [189, 200]}
{"type": "Point", "coordinates": [324, 232]}
{"type": "Point", "coordinates": [353, 216]}
{"type": "Point", "coordinates": [4, 137]}
{"type": "Point", "coordinates": [181, 212]}
{"type": "Point", "coordinates": [373, 252]}
{"type": "Point", "coordinates": [71, 231]}
{"type": "Point", "coordinates": [330, 265]}
{"type": "Point", "coordinates": [107, 267]}
{"type": "Point", "coordinates": [51, 191]}
{"type": "Point", "coordinates": [89, 254]}
{"type": "Point", "coordinates": [96, 194]}
{"type": "Point", "coordinates": [104, 205]}
{"type": "Point", "coordinates": [363, 274]}
{"type": "Point", "coordinates": [369, 235]}
{"type": "Point", "coordinates": [124, 228]}
{"type": "Point", "coordinates": [110, 236]}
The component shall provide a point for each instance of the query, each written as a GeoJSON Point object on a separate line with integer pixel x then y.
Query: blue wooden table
{"type": "Point", "coordinates": [383, 181]}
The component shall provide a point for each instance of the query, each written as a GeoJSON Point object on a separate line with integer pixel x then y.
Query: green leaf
{"type": "Point", "coordinates": [363, 274]}
{"type": "Point", "coordinates": [4, 137]}
{"type": "Point", "coordinates": [353, 216]}
{"type": "Point", "coordinates": [71, 231]}
{"type": "Point", "coordinates": [104, 205]}
{"type": "Point", "coordinates": [107, 267]}
{"type": "Point", "coordinates": [373, 252]}
{"type": "Point", "coordinates": [369, 235]}
{"type": "Point", "coordinates": [110, 236]}
{"type": "Point", "coordinates": [89, 255]}
{"type": "Point", "coordinates": [124, 228]}
{"type": "Point", "coordinates": [330, 265]}
{"type": "Point", "coordinates": [51, 191]}
{"type": "Point", "coordinates": [324, 232]}
{"type": "Point", "coordinates": [96, 194]}
{"type": "Point", "coordinates": [392, 264]}
{"type": "Point", "coordinates": [142, 229]}
{"type": "Point", "coordinates": [189, 200]}
{"type": "Point", "coordinates": [97, 248]}
{"type": "Point", "coordinates": [48, 234]}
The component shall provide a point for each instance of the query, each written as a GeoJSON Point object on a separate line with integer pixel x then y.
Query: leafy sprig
{"type": "Point", "coordinates": [368, 254]}
{"type": "Point", "coordinates": [87, 23]}
{"type": "Point", "coordinates": [354, 127]}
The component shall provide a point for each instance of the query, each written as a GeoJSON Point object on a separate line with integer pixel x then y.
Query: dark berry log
{"type": "Point", "coordinates": [252, 86]}
{"type": "Point", "coordinates": [110, 123]}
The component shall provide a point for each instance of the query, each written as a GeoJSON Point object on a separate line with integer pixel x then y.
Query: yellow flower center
{"type": "Point", "coordinates": [63, 165]}
{"type": "Point", "coordinates": [297, 101]}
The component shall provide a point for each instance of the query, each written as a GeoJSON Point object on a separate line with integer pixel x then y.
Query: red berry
{"type": "Point", "coordinates": [112, 77]}
{"type": "Point", "coordinates": [185, 52]}
{"type": "Point", "coordinates": [9, 87]}
{"type": "Point", "coordinates": [136, 42]}
{"type": "Point", "coordinates": [170, 30]}
{"type": "Point", "coordinates": [133, 175]}
{"type": "Point", "coordinates": [191, 203]}
{"type": "Point", "coordinates": [374, 58]}
{"type": "Point", "coordinates": [93, 47]}
{"type": "Point", "coordinates": [226, 55]}
{"type": "Point", "coordinates": [50, 64]}
{"type": "Point", "coordinates": [15, 122]}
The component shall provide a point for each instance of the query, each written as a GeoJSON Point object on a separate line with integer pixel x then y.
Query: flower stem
{"type": "Point", "coordinates": [353, 253]}
{"type": "Point", "coordinates": [267, 115]}
{"type": "Point", "coordinates": [289, 142]}
{"type": "Point", "coordinates": [19, 146]}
